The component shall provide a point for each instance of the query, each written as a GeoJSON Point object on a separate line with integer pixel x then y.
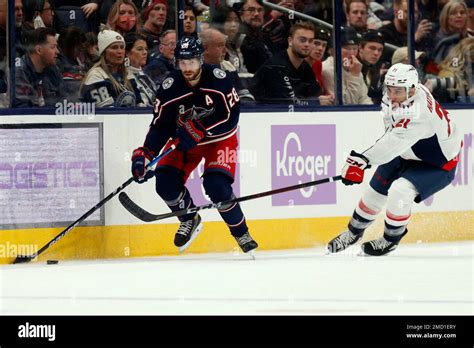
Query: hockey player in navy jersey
{"type": "Point", "coordinates": [417, 157]}
{"type": "Point", "coordinates": [197, 109]}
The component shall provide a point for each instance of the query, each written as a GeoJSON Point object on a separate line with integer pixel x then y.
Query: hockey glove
{"type": "Point", "coordinates": [189, 135]}
{"type": "Point", "coordinates": [353, 170]}
{"type": "Point", "coordinates": [140, 158]}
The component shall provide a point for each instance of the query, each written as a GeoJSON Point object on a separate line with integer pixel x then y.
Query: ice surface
{"type": "Point", "coordinates": [415, 279]}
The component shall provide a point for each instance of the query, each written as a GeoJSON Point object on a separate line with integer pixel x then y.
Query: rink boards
{"type": "Point", "coordinates": [276, 150]}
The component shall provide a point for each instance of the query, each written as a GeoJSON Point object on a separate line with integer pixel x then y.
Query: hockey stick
{"type": "Point", "coordinates": [28, 258]}
{"type": "Point", "coordinates": [143, 215]}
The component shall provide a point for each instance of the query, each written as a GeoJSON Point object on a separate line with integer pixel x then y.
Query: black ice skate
{"type": "Point", "coordinates": [246, 242]}
{"type": "Point", "coordinates": [187, 232]}
{"type": "Point", "coordinates": [343, 241]}
{"type": "Point", "coordinates": [381, 246]}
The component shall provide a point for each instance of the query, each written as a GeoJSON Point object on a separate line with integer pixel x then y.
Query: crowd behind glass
{"type": "Point", "coordinates": [117, 53]}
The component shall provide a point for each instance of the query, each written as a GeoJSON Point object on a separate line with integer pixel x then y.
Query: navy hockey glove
{"type": "Point", "coordinates": [140, 158]}
{"type": "Point", "coordinates": [189, 135]}
{"type": "Point", "coordinates": [353, 170]}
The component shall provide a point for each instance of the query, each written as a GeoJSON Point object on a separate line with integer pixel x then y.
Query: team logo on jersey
{"type": "Point", "coordinates": [126, 98]}
{"type": "Point", "coordinates": [220, 74]}
{"type": "Point", "coordinates": [168, 83]}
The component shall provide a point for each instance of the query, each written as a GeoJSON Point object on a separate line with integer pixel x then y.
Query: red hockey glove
{"type": "Point", "coordinates": [353, 170]}
{"type": "Point", "coordinates": [140, 158]}
{"type": "Point", "coordinates": [189, 135]}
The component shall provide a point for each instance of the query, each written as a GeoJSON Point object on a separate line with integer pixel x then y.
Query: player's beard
{"type": "Point", "coordinates": [194, 77]}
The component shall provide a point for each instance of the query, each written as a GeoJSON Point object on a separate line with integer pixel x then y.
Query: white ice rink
{"type": "Point", "coordinates": [415, 279]}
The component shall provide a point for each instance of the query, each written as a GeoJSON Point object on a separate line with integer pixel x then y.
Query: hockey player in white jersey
{"type": "Point", "coordinates": [416, 157]}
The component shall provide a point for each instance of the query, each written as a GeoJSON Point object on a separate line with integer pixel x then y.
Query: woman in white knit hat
{"type": "Point", "coordinates": [107, 83]}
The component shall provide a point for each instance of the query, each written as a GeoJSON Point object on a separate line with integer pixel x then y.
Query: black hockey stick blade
{"type": "Point", "coordinates": [146, 216]}
{"type": "Point", "coordinates": [28, 258]}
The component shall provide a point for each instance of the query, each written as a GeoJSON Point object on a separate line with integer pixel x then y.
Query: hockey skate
{"type": "Point", "coordinates": [381, 246]}
{"type": "Point", "coordinates": [343, 241]}
{"type": "Point", "coordinates": [246, 242]}
{"type": "Point", "coordinates": [188, 230]}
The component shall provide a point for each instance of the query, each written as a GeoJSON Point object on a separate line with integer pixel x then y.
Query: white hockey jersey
{"type": "Point", "coordinates": [419, 129]}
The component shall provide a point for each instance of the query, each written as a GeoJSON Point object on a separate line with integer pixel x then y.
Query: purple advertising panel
{"type": "Point", "coordinates": [50, 175]}
{"type": "Point", "coordinates": [303, 153]}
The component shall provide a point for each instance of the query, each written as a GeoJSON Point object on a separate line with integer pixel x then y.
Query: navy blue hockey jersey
{"type": "Point", "coordinates": [214, 102]}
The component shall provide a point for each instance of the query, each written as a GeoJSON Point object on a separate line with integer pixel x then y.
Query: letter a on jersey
{"type": "Point", "coordinates": [208, 100]}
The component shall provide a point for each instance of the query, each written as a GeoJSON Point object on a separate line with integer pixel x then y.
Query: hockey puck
{"type": "Point", "coordinates": [52, 262]}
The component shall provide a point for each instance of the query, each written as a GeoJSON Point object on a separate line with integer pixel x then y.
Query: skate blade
{"type": "Point", "coordinates": [251, 254]}
{"type": "Point", "coordinates": [193, 237]}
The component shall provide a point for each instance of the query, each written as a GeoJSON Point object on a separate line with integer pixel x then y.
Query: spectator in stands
{"type": "Point", "coordinates": [137, 54]}
{"type": "Point", "coordinates": [189, 22]}
{"type": "Point", "coordinates": [124, 17]}
{"type": "Point", "coordinates": [315, 59]}
{"type": "Point", "coordinates": [373, 11]}
{"type": "Point", "coordinates": [91, 50]}
{"type": "Point", "coordinates": [107, 83]}
{"type": "Point", "coordinates": [158, 67]}
{"type": "Point", "coordinates": [470, 15]}
{"type": "Point", "coordinates": [453, 28]}
{"type": "Point", "coordinates": [226, 19]}
{"type": "Point", "coordinates": [370, 54]}
{"type": "Point", "coordinates": [455, 81]}
{"type": "Point", "coordinates": [256, 46]}
{"type": "Point", "coordinates": [395, 32]}
{"type": "Point", "coordinates": [155, 20]}
{"type": "Point", "coordinates": [354, 89]}
{"type": "Point", "coordinates": [401, 56]}
{"type": "Point", "coordinates": [278, 26]}
{"type": "Point", "coordinates": [214, 43]}
{"type": "Point", "coordinates": [43, 14]}
{"type": "Point", "coordinates": [71, 60]}
{"type": "Point", "coordinates": [38, 80]}
{"type": "Point", "coordinates": [20, 39]}
{"type": "Point", "coordinates": [287, 76]}
{"type": "Point", "coordinates": [356, 14]}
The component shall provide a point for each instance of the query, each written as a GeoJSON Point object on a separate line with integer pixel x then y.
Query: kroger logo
{"type": "Point", "coordinates": [300, 154]}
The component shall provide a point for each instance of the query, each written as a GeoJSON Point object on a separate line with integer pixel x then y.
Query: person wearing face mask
{"type": "Point", "coordinates": [137, 53]}
{"type": "Point", "coordinates": [124, 17]}
{"type": "Point", "coordinates": [107, 83]}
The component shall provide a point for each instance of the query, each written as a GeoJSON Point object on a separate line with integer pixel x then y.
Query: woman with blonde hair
{"type": "Point", "coordinates": [455, 80]}
{"type": "Point", "coordinates": [453, 22]}
{"type": "Point", "coordinates": [124, 17]}
{"type": "Point", "coordinates": [107, 83]}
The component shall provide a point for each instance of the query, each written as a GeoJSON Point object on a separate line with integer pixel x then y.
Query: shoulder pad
{"type": "Point", "coordinates": [219, 73]}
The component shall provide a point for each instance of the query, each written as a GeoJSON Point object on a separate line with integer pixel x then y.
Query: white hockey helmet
{"type": "Point", "coordinates": [401, 75]}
